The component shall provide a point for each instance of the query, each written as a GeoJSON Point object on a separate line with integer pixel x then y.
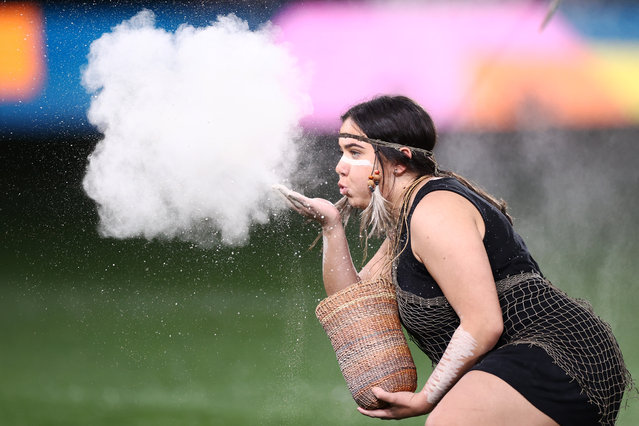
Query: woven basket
{"type": "Point", "coordinates": [362, 323]}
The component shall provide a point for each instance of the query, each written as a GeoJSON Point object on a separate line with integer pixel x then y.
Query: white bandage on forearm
{"type": "Point", "coordinates": [462, 346]}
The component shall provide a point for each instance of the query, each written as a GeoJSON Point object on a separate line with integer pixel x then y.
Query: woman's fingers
{"type": "Point", "coordinates": [286, 192]}
{"type": "Point", "coordinates": [296, 200]}
{"type": "Point", "coordinates": [379, 414]}
{"type": "Point", "coordinates": [383, 413]}
{"type": "Point", "coordinates": [281, 188]}
{"type": "Point", "coordinates": [382, 395]}
{"type": "Point", "coordinates": [400, 405]}
{"type": "Point", "coordinates": [317, 209]}
{"type": "Point", "coordinates": [299, 202]}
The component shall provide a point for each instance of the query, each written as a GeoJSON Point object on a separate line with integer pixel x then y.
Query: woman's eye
{"type": "Point", "coordinates": [355, 154]}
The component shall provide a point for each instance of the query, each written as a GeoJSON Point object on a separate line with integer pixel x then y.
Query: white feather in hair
{"type": "Point", "coordinates": [377, 219]}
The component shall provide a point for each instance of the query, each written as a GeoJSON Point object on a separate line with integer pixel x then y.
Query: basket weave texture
{"type": "Point", "coordinates": [362, 323]}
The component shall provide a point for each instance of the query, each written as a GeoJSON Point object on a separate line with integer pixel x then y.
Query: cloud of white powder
{"type": "Point", "coordinates": [197, 124]}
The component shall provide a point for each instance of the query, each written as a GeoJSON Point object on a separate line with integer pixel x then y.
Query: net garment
{"type": "Point", "coordinates": [535, 313]}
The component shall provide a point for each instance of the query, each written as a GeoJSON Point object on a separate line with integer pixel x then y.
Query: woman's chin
{"type": "Point", "coordinates": [357, 203]}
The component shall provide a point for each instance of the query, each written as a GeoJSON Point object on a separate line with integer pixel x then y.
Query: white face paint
{"type": "Point", "coordinates": [353, 162]}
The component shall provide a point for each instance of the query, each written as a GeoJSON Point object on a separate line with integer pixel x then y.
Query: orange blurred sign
{"type": "Point", "coordinates": [21, 51]}
{"type": "Point", "coordinates": [538, 91]}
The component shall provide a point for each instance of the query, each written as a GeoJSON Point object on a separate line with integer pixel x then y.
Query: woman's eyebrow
{"type": "Point", "coordinates": [353, 145]}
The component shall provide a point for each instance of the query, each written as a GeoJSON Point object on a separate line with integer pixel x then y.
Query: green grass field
{"type": "Point", "coordinates": [167, 347]}
{"type": "Point", "coordinates": [97, 331]}
{"type": "Point", "coordinates": [206, 354]}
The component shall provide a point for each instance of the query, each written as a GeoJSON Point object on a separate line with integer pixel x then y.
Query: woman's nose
{"type": "Point", "coordinates": [341, 168]}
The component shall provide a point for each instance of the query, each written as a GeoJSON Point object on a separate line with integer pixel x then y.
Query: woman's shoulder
{"type": "Point", "coordinates": [430, 185]}
{"type": "Point", "coordinates": [443, 203]}
{"type": "Point", "coordinates": [443, 192]}
{"type": "Point", "coordinates": [449, 188]}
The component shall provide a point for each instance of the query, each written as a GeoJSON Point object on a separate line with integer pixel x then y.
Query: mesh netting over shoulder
{"type": "Point", "coordinates": [535, 313]}
{"type": "Point", "coordinates": [362, 323]}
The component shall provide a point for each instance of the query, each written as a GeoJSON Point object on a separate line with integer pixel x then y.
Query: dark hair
{"type": "Point", "coordinates": [401, 120]}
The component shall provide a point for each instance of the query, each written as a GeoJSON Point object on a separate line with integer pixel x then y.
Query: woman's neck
{"type": "Point", "coordinates": [406, 186]}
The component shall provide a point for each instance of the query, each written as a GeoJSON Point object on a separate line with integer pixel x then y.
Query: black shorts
{"type": "Point", "coordinates": [532, 373]}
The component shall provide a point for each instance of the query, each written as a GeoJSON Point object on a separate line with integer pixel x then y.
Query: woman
{"type": "Point", "coordinates": [506, 343]}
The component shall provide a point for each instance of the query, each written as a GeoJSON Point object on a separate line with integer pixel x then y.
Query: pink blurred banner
{"type": "Point", "coordinates": [473, 66]}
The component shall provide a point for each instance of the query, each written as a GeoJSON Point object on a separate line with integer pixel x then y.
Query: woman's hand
{"type": "Point", "coordinates": [317, 209]}
{"type": "Point", "coordinates": [400, 405]}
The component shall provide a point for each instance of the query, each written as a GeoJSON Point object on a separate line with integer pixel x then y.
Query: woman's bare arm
{"type": "Point", "coordinates": [338, 270]}
{"type": "Point", "coordinates": [446, 233]}
{"type": "Point", "coordinates": [447, 236]}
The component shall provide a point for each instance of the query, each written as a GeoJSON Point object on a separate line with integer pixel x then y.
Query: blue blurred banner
{"type": "Point", "coordinates": [583, 72]}
{"type": "Point", "coordinates": [60, 102]}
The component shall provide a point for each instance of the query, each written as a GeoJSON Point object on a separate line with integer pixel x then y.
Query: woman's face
{"type": "Point", "coordinates": [355, 166]}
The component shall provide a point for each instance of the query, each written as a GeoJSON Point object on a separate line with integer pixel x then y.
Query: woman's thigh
{"type": "Point", "coordinates": [480, 398]}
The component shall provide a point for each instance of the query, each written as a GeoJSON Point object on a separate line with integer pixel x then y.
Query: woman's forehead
{"type": "Point", "coordinates": [348, 143]}
{"type": "Point", "coordinates": [349, 127]}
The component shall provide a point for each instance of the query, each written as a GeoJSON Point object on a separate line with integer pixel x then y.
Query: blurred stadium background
{"type": "Point", "coordinates": [103, 331]}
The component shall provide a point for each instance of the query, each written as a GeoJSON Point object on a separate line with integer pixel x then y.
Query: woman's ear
{"type": "Point", "coordinates": [400, 169]}
{"type": "Point", "coordinates": [406, 151]}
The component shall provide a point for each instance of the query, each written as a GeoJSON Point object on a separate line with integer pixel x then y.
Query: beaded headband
{"type": "Point", "coordinates": [378, 142]}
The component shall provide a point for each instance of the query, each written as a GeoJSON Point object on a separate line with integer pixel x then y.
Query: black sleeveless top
{"type": "Point", "coordinates": [507, 252]}
{"type": "Point", "coordinates": [578, 376]}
